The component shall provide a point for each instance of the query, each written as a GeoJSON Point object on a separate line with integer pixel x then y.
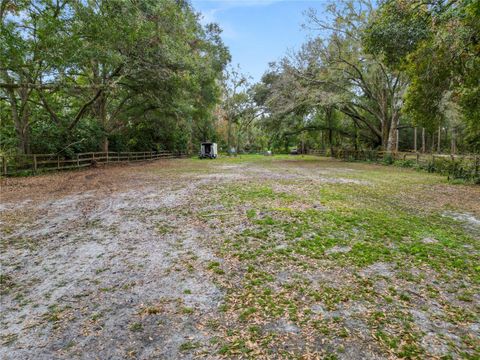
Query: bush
{"type": "Point", "coordinates": [457, 168]}
{"type": "Point", "coordinates": [405, 163]}
{"type": "Point", "coordinates": [388, 159]}
{"type": "Point", "coordinates": [463, 169]}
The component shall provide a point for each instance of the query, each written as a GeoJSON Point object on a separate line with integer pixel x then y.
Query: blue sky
{"type": "Point", "coordinates": [258, 31]}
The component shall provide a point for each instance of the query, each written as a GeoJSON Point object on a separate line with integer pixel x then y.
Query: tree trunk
{"type": "Point", "coordinates": [423, 140]}
{"type": "Point", "coordinates": [454, 145]}
{"type": "Point", "coordinates": [329, 115]}
{"type": "Point", "coordinates": [238, 141]}
{"type": "Point", "coordinates": [385, 135]}
{"type": "Point", "coordinates": [415, 138]}
{"type": "Point", "coordinates": [105, 143]}
{"type": "Point", "coordinates": [439, 139]}
{"type": "Point", "coordinates": [392, 135]}
{"type": "Point", "coordinates": [356, 137]}
{"type": "Point", "coordinates": [397, 139]}
{"type": "Point", "coordinates": [20, 110]}
{"type": "Point", "coordinates": [330, 141]}
{"type": "Point", "coordinates": [21, 120]}
{"type": "Point", "coordinates": [229, 135]}
{"type": "Point", "coordinates": [101, 112]}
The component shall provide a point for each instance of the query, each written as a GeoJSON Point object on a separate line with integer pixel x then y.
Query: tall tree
{"type": "Point", "coordinates": [436, 43]}
{"type": "Point", "coordinates": [333, 72]}
{"type": "Point", "coordinates": [235, 100]}
{"type": "Point", "coordinates": [112, 68]}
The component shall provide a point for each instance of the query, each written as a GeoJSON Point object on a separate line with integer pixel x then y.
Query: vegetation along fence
{"type": "Point", "coordinates": [34, 163]}
{"type": "Point", "coordinates": [466, 167]}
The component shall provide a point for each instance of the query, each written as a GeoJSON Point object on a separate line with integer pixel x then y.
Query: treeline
{"type": "Point", "coordinates": [398, 75]}
{"type": "Point", "coordinates": [128, 75]}
{"type": "Point", "coordinates": [111, 74]}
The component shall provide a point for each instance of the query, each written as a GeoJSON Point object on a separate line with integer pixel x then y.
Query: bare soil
{"type": "Point", "coordinates": [116, 262]}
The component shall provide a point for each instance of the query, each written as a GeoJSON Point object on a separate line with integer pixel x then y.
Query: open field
{"type": "Point", "coordinates": [249, 257]}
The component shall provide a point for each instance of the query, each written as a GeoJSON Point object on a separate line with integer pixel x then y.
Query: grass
{"type": "Point", "coordinates": [187, 310]}
{"type": "Point", "coordinates": [289, 225]}
{"type": "Point", "coordinates": [189, 345]}
{"type": "Point", "coordinates": [215, 267]}
{"type": "Point", "coordinates": [135, 327]}
{"type": "Point", "coordinates": [151, 310]}
{"type": "Point", "coordinates": [6, 284]}
{"type": "Point", "coordinates": [8, 338]}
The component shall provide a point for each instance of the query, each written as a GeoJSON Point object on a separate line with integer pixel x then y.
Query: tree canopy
{"type": "Point", "coordinates": [83, 75]}
{"type": "Point", "coordinates": [375, 72]}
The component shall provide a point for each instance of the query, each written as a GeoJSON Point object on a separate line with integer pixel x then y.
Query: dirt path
{"type": "Point", "coordinates": [130, 261]}
{"type": "Point", "coordinates": [103, 263]}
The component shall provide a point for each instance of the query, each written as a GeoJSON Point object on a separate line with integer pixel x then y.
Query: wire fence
{"type": "Point", "coordinates": [465, 166]}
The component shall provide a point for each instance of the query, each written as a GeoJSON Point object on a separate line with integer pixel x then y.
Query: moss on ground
{"type": "Point", "coordinates": [338, 251]}
{"type": "Point", "coordinates": [256, 257]}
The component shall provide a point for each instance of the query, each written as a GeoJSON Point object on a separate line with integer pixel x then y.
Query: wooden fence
{"type": "Point", "coordinates": [417, 157]}
{"type": "Point", "coordinates": [318, 152]}
{"type": "Point", "coordinates": [34, 163]}
{"type": "Point", "coordinates": [376, 155]}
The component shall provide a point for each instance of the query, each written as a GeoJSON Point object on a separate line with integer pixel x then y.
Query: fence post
{"type": "Point", "coordinates": [78, 160]}
{"type": "Point", "coordinates": [58, 162]}
{"type": "Point", "coordinates": [34, 163]}
{"type": "Point", "coordinates": [107, 157]}
{"type": "Point", "coordinates": [477, 165]}
{"type": "Point", "coordinates": [4, 161]}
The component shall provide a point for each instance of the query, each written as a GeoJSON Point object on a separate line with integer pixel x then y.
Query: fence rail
{"type": "Point", "coordinates": [374, 155]}
{"type": "Point", "coordinates": [13, 165]}
{"type": "Point", "coordinates": [318, 152]}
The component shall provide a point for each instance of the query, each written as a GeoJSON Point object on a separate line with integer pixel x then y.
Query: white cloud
{"type": "Point", "coordinates": [239, 3]}
{"type": "Point", "coordinates": [210, 15]}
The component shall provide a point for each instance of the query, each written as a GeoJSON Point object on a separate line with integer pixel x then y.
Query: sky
{"type": "Point", "coordinates": [258, 31]}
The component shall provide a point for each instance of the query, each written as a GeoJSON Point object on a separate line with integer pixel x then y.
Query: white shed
{"type": "Point", "coordinates": [208, 150]}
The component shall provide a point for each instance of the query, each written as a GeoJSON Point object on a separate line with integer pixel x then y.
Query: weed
{"type": "Point", "coordinates": [187, 310]}
{"type": "Point", "coordinates": [189, 345]}
{"type": "Point", "coordinates": [136, 327]}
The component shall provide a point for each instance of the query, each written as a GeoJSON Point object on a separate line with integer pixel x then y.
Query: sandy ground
{"type": "Point", "coordinates": [110, 263]}
{"type": "Point", "coordinates": [90, 253]}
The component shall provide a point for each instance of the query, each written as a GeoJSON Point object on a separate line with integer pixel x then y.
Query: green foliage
{"type": "Point", "coordinates": [80, 75]}
{"type": "Point", "coordinates": [87, 76]}
{"type": "Point", "coordinates": [465, 169]}
{"type": "Point", "coordinates": [333, 85]}
{"type": "Point", "coordinates": [459, 168]}
{"type": "Point", "coordinates": [375, 67]}
{"type": "Point", "coordinates": [388, 159]}
{"type": "Point", "coordinates": [395, 30]}
{"type": "Point", "coordinates": [436, 45]}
